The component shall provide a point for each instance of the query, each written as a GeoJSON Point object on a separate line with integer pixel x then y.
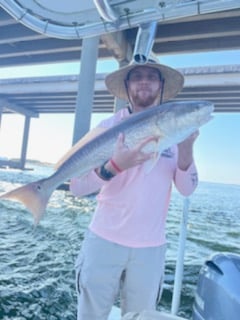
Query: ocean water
{"type": "Point", "coordinates": [37, 279]}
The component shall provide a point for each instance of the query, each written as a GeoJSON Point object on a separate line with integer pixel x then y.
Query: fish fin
{"type": "Point", "coordinates": [157, 150]}
{"type": "Point", "coordinates": [150, 164]}
{"type": "Point", "coordinates": [33, 195]}
{"type": "Point", "coordinates": [85, 139]}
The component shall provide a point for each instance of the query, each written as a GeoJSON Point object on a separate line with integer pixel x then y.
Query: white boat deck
{"type": "Point", "coordinates": [145, 315]}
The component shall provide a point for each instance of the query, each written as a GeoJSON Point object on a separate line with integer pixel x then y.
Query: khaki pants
{"type": "Point", "coordinates": [103, 269]}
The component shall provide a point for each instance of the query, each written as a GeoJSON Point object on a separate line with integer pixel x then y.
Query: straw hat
{"type": "Point", "coordinates": [173, 79]}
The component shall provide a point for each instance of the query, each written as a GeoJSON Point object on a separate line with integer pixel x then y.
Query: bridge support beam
{"type": "Point", "coordinates": [85, 87]}
{"type": "Point", "coordinates": [25, 142]}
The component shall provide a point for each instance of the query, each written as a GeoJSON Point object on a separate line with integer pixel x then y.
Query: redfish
{"type": "Point", "coordinates": [170, 123]}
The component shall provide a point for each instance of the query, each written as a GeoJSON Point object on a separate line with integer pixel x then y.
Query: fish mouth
{"type": "Point", "coordinates": [207, 105]}
{"type": "Point", "coordinates": [207, 109]}
{"type": "Point", "coordinates": [207, 119]}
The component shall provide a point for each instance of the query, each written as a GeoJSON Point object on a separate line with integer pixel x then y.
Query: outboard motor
{"type": "Point", "coordinates": [218, 291]}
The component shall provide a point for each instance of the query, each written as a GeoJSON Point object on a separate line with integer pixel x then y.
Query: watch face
{"type": "Point", "coordinates": [105, 174]}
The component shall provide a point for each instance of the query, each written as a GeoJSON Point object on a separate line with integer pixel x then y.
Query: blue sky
{"type": "Point", "coordinates": [217, 152]}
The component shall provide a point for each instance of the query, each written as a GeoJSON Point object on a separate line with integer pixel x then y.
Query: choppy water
{"type": "Point", "coordinates": [37, 264]}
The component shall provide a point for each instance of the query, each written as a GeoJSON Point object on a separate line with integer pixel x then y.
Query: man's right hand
{"type": "Point", "coordinates": [126, 158]}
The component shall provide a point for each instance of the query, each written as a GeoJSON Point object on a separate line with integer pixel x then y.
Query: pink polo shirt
{"type": "Point", "coordinates": [132, 207]}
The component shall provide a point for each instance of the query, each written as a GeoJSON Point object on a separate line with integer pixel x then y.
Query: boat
{"type": "Point", "coordinates": [217, 295]}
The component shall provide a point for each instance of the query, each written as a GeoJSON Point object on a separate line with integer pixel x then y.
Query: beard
{"type": "Point", "coordinates": [145, 99]}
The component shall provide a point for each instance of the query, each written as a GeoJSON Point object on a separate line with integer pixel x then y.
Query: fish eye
{"type": "Point", "coordinates": [39, 187]}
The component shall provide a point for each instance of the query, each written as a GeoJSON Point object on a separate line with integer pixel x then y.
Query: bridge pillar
{"type": "Point", "coordinates": [85, 87]}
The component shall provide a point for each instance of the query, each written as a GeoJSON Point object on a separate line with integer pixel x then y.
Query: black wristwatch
{"type": "Point", "coordinates": [105, 174]}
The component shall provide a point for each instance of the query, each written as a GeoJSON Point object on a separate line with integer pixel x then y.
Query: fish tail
{"type": "Point", "coordinates": [33, 195]}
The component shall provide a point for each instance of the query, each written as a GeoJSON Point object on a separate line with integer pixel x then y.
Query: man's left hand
{"type": "Point", "coordinates": [185, 151]}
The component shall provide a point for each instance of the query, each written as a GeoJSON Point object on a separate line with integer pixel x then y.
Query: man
{"type": "Point", "coordinates": [124, 249]}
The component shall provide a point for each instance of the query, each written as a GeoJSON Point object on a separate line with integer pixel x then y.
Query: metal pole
{"type": "Point", "coordinates": [180, 259]}
{"type": "Point", "coordinates": [144, 41]}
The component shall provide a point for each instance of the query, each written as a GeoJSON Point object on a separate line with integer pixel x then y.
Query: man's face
{"type": "Point", "coordinates": [144, 86]}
